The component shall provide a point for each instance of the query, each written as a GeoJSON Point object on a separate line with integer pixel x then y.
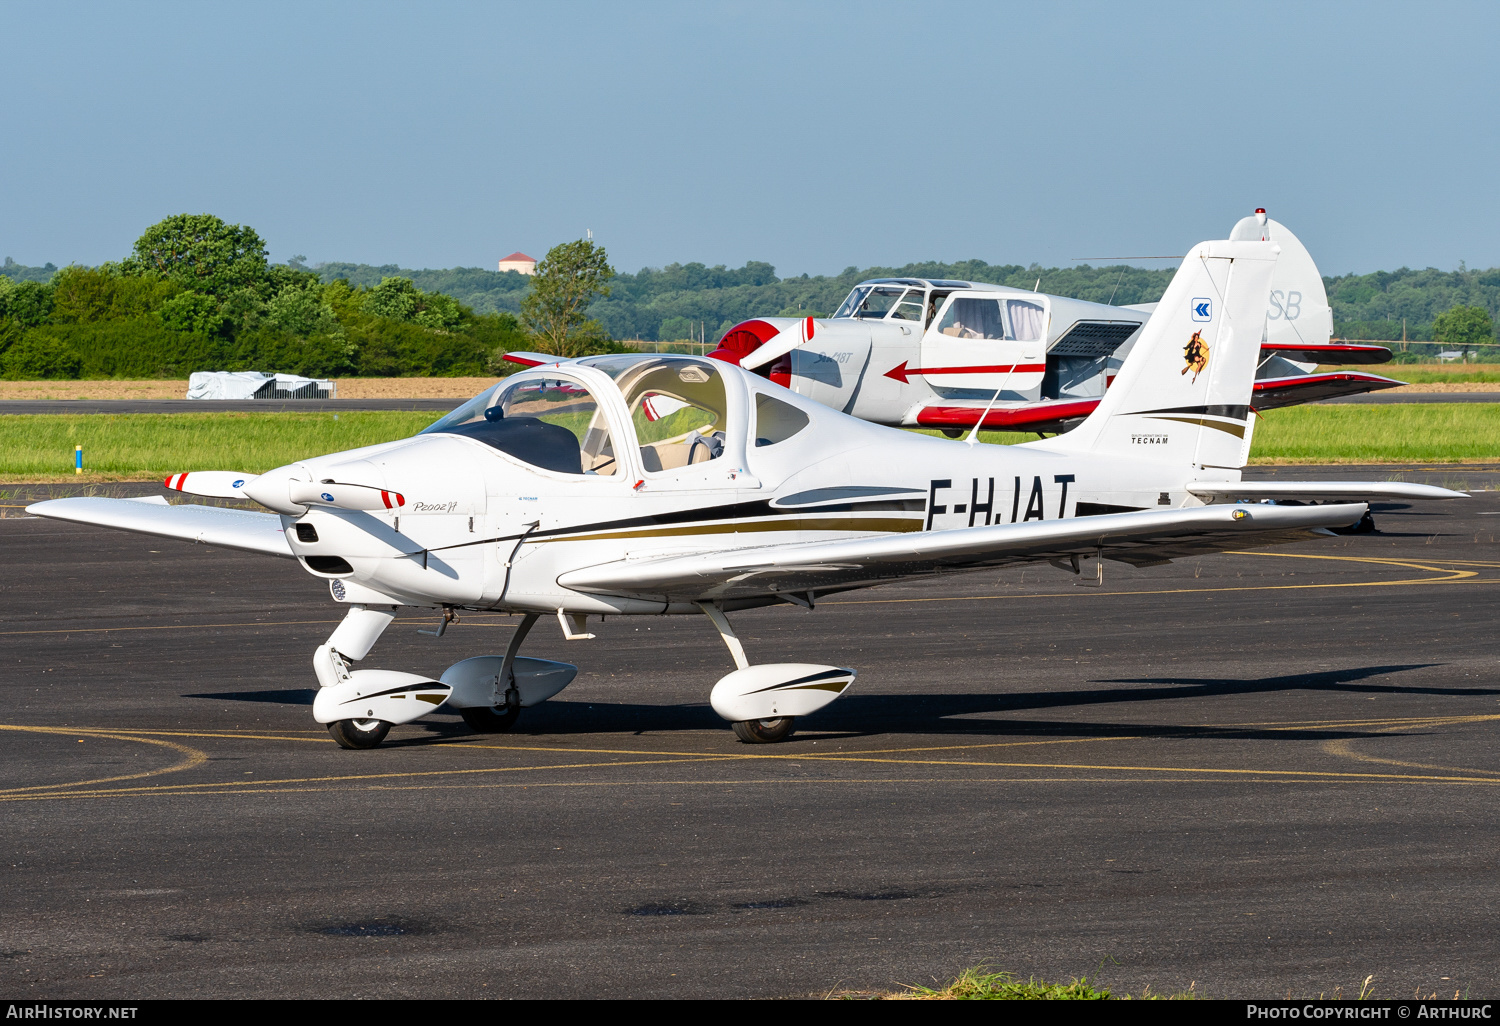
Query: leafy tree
{"type": "Point", "coordinates": [555, 310]}
{"type": "Point", "coordinates": [87, 295]}
{"type": "Point", "coordinates": [28, 303]}
{"type": "Point", "coordinates": [1463, 326]}
{"type": "Point", "coordinates": [301, 312]}
{"type": "Point", "coordinates": [191, 312]}
{"type": "Point", "coordinates": [39, 356]}
{"type": "Point", "coordinates": [203, 253]}
{"type": "Point", "coordinates": [398, 299]}
{"type": "Point", "coordinates": [395, 299]}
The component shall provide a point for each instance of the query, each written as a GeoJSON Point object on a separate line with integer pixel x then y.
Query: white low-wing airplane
{"type": "Point", "coordinates": [653, 484]}
{"type": "Point", "coordinates": [944, 354]}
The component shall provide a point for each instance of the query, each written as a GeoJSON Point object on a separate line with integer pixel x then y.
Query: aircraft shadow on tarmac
{"type": "Point", "coordinates": [943, 714]}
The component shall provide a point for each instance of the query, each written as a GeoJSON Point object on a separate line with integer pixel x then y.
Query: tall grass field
{"type": "Point", "coordinates": [141, 446]}
{"type": "Point", "coordinates": [137, 447]}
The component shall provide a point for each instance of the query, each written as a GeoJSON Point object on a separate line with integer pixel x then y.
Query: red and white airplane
{"type": "Point", "coordinates": [918, 352]}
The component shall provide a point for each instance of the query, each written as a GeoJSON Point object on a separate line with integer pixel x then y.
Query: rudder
{"type": "Point", "coordinates": [1183, 394]}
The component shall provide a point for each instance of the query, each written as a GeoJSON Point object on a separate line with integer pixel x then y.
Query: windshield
{"type": "Point", "coordinates": [552, 423]}
{"type": "Point", "coordinates": [873, 302]}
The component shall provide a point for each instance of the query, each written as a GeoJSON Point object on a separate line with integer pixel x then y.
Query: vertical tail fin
{"type": "Point", "coordinates": [1298, 312]}
{"type": "Point", "coordinates": [1183, 394]}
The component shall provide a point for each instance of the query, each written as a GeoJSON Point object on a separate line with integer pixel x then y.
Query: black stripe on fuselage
{"type": "Point", "coordinates": [1232, 412]}
{"type": "Point", "coordinates": [705, 514]}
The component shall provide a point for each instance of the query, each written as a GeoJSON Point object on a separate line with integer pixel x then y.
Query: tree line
{"type": "Point", "coordinates": [670, 303]}
{"type": "Point", "coordinates": [199, 294]}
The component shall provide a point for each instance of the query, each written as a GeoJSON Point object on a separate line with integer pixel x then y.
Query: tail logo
{"type": "Point", "coordinates": [1196, 355]}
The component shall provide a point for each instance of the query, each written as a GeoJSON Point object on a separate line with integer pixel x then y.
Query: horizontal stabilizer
{"type": "Point", "coordinates": [1047, 415]}
{"type": "Point", "coordinates": [211, 525]}
{"type": "Point", "coordinates": [1347, 353]}
{"type": "Point", "coordinates": [1320, 491]}
{"type": "Point", "coordinates": [534, 359]}
{"type": "Point", "coordinates": [1145, 537]}
{"type": "Point", "coordinates": [1293, 390]}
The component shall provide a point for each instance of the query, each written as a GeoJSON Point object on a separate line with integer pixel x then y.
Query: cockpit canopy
{"type": "Point", "coordinates": [986, 314]}
{"type": "Point", "coordinates": [899, 299]}
{"type": "Point", "coordinates": [678, 410]}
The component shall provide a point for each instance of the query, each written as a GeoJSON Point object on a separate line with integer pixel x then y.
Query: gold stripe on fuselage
{"type": "Point", "coordinates": [1238, 430]}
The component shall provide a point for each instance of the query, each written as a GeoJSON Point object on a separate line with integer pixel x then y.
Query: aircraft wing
{"type": "Point", "coordinates": [534, 359]}
{"type": "Point", "coordinates": [211, 525]}
{"type": "Point", "coordinates": [1144, 538]}
{"type": "Point", "coordinates": [1043, 415]}
{"type": "Point", "coordinates": [1274, 393]}
{"type": "Point", "coordinates": [1319, 491]}
{"type": "Point", "coordinates": [1346, 353]}
{"type": "Point", "coordinates": [1062, 414]}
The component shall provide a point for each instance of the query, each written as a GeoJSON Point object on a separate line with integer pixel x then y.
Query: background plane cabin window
{"type": "Point", "coordinates": [973, 318]}
{"type": "Point", "coordinates": [678, 410]}
{"type": "Point", "coordinates": [850, 306]}
{"type": "Point", "coordinates": [552, 423]}
{"type": "Point", "coordinates": [871, 302]}
{"type": "Point", "coordinates": [1027, 319]}
{"type": "Point", "coordinates": [776, 421]}
{"type": "Point", "coordinates": [910, 307]}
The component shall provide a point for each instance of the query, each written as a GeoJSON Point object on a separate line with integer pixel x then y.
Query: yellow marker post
{"type": "Point", "coordinates": [78, 459]}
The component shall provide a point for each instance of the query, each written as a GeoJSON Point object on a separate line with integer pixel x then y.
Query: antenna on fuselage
{"type": "Point", "coordinates": [974, 435]}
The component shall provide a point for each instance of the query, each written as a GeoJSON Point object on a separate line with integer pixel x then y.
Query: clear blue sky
{"type": "Point", "coordinates": [812, 136]}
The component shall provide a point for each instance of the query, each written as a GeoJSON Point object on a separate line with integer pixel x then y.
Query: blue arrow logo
{"type": "Point", "coordinates": [1202, 309]}
{"type": "Point", "coordinates": [327, 497]}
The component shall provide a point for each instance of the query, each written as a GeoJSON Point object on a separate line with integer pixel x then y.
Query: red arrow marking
{"type": "Point", "coordinates": [903, 372]}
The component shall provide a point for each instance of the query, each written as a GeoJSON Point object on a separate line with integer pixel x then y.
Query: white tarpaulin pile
{"type": "Point", "coordinates": [256, 385]}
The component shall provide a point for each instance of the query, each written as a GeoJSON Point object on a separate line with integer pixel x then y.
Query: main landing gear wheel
{"type": "Point", "coordinates": [764, 732]}
{"type": "Point", "coordinates": [496, 720]}
{"type": "Point", "coordinates": [359, 733]}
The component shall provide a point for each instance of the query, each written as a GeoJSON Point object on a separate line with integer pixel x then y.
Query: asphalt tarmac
{"type": "Point", "coordinates": [1254, 774]}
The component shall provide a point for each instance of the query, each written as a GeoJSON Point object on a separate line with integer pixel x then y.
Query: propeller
{"type": "Point", "coordinates": [343, 496]}
{"type": "Point", "coordinates": [213, 484]}
{"type": "Point", "coordinates": [779, 345]}
{"type": "Point", "coordinates": [229, 484]}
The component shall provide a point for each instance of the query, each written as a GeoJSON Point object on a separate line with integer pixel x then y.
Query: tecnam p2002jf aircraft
{"type": "Point", "coordinates": [649, 484]}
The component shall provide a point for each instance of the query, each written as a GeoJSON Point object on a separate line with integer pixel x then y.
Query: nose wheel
{"type": "Point", "coordinates": [491, 721]}
{"type": "Point", "coordinates": [359, 733]}
{"type": "Point", "coordinates": [765, 732]}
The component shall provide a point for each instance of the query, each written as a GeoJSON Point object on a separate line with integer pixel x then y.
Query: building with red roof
{"type": "Point", "coordinates": [518, 261]}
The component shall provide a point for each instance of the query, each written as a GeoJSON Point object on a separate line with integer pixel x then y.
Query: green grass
{"type": "Point", "coordinates": [1354, 433]}
{"type": "Point", "coordinates": [1398, 432]}
{"type": "Point", "coordinates": [141, 446]}
{"type": "Point", "coordinates": [982, 983]}
{"type": "Point", "coordinates": [149, 445]}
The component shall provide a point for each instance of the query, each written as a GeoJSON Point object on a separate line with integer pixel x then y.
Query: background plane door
{"type": "Point", "coordinates": [976, 343]}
